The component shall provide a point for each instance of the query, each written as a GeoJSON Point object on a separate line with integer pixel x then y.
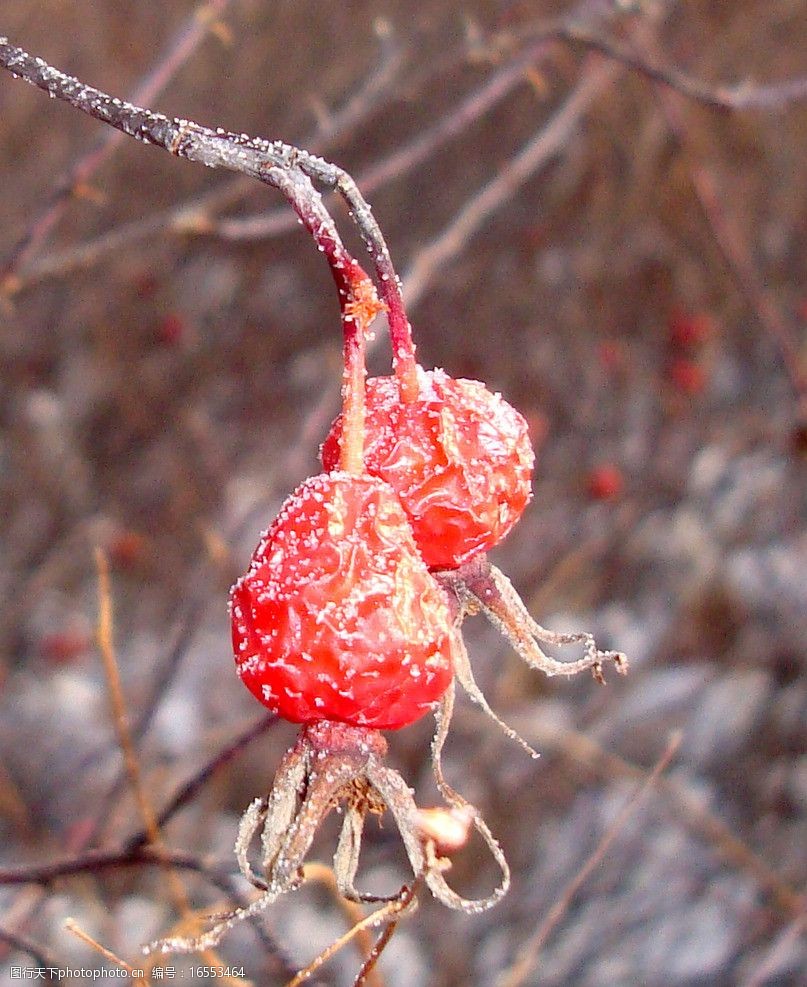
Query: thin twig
{"type": "Point", "coordinates": [721, 97]}
{"type": "Point", "coordinates": [194, 216]}
{"type": "Point", "coordinates": [186, 792]}
{"type": "Point", "coordinates": [733, 246]}
{"type": "Point", "coordinates": [96, 861]}
{"type": "Point", "coordinates": [547, 143]}
{"type": "Point", "coordinates": [12, 804]}
{"type": "Point", "coordinates": [168, 667]}
{"type": "Point", "coordinates": [368, 968]}
{"type": "Point", "coordinates": [25, 945]}
{"type": "Point", "coordinates": [72, 926]}
{"type": "Point", "coordinates": [403, 160]}
{"type": "Point", "coordinates": [778, 951]}
{"type": "Point", "coordinates": [146, 809]}
{"type": "Point", "coordinates": [139, 854]}
{"type": "Point", "coordinates": [531, 949]}
{"type": "Point", "coordinates": [386, 913]}
{"type": "Point", "coordinates": [324, 875]}
{"type": "Point", "coordinates": [690, 809]}
{"type": "Point", "coordinates": [270, 162]}
{"type": "Point", "coordinates": [276, 163]}
{"type": "Point", "coordinates": [188, 39]}
{"type": "Point", "coordinates": [380, 82]}
{"type": "Point", "coordinates": [745, 96]}
{"type": "Point", "coordinates": [99, 861]}
{"type": "Point", "coordinates": [456, 121]}
{"type": "Point", "coordinates": [20, 911]}
{"type": "Point", "coordinates": [119, 716]}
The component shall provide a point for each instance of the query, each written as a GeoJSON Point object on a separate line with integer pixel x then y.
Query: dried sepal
{"type": "Point", "coordinates": [465, 676]}
{"type": "Point", "coordinates": [251, 822]}
{"type": "Point", "coordinates": [334, 764]}
{"type": "Point", "coordinates": [346, 858]}
{"type": "Point", "coordinates": [210, 939]}
{"type": "Point", "coordinates": [480, 587]}
{"type": "Point", "coordinates": [282, 806]}
{"type": "Point", "coordinates": [443, 714]}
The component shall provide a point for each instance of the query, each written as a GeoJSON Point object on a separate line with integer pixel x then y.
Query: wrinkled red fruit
{"type": "Point", "coordinates": [337, 617]}
{"type": "Point", "coordinates": [459, 458]}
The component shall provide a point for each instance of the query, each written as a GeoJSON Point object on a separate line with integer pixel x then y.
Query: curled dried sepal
{"type": "Point", "coordinates": [443, 893]}
{"type": "Point", "coordinates": [423, 856]}
{"type": "Point", "coordinates": [333, 764]}
{"type": "Point", "coordinates": [480, 587]}
{"type": "Point", "coordinates": [465, 676]}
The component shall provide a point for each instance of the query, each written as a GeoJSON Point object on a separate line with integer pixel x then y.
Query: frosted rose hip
{"type": "Point", "coordinates": [337, 617]}
{"type": "Point", "coordinates": [459, 458]}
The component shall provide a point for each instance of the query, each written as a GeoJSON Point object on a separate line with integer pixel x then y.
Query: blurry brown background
{"type": "Point", "coordinates": [161, 394]}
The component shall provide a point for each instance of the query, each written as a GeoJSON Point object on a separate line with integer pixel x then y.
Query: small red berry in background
{"type": "Point", "coordinates": [687, 376]}
{"type": "Point", "coordinates": [605, 482]}
{"type": "Point", "coordinates": [127, 549]}
{"type": "Point", "coordinates": [171, 330]}
{"type": "Point", "coordinates": [689, 330]}
{"type": "Point", "coordinates": [337, 617]}
{"type": "Point", "coordinates": [64, 646]}
{"type": "Point", "coordinates": [458, 456]}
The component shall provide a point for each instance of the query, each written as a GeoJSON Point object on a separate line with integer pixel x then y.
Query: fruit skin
{"type": "Point", "coordinates": [337, 617]}
{"type": "Point", "coordinates": [459, 458]}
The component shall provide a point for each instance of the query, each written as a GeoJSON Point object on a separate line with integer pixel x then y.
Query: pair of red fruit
{"type": "Point", "coordinates": [340, 615]}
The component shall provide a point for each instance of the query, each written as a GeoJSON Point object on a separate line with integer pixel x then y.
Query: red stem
{"type": "Point", "coordinates": [403, 348]}
{"type": "Point", "coordinates": [351, 453]}
{"type": "Point", "coordinates": [400, 330]}
{"type": "Point", "coordinates": [358, 303]}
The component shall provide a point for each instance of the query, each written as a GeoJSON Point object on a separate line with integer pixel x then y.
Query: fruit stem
{"type": "Point", "coordinates": [358, 313]}
{"type": "Point", "coordinates": [351, 453]}
{"type": "Point", "coordinates": [359, 304]}
{"type": "Point", "coordinates": [403, 347]}
{"type": "Point", "coordinates": [400, 330]}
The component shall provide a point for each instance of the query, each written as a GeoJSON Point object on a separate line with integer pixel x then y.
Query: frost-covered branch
{"type": "Point", "coordinates": [273, 162]}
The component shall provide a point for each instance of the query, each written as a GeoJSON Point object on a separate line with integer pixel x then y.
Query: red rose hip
{"type": "Point", "coordinates": [458, 456]}
{"type": "Point", "coordinates": [337, 617]}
